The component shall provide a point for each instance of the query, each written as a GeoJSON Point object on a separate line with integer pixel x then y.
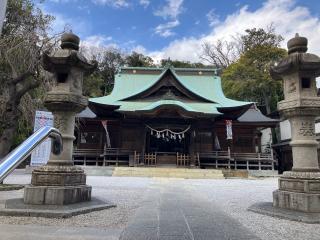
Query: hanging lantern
{"type": "Point", "coordinates": [167, 133]}
{"type": "Point", "coordinates": [151, 132]}
{"type": "Point", "coordinates": [182, 135]}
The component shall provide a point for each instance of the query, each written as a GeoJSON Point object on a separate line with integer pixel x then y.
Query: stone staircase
{"type": "Point", "coordinates": [168, 172]}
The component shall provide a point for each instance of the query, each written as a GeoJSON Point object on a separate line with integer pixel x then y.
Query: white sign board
{"type": "Point", "coordinates": [41, 154]}
{"type": "Point", "coordinates": [285, 130]}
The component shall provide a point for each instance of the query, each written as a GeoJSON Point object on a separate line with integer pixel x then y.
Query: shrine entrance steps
{"type": "Point", "coordinates": [168, 172]}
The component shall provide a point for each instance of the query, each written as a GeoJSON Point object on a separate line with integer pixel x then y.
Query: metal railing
{"type": "Point", "coordinates": [19, 154]}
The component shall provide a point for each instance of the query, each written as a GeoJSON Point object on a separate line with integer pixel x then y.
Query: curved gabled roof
{"type": "Point", "coordinates": [129, 83]}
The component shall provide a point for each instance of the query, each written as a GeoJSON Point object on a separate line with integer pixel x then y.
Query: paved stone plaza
{"type": "Point", "coordinates": [160, 208]}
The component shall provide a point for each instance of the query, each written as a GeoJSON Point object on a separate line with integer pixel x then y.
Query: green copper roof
{"type": "Point", "coordinates": [128, 84]}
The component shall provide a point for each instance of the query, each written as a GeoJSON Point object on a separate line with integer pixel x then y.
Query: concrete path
{"type": "Point", "coordinates": [171, 212]}
{"type": "Point", "coordinates": [36, 232]}
{"type": "Point", "coordinates": [163, 208]}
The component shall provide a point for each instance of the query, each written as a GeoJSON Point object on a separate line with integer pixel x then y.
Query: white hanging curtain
{"type": "Point", "coordinates": [216, 142]}
{"type": "Point", "coordinates": [229, 129]}
{"type": "Point", "coordinates": [105, 126]}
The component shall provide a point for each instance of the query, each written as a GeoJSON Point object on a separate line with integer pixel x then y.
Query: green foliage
{"type": "Point", "coordinates": [24, 130]}
{"type": "Point", "coordinates": [112, 60]}
{"type": "Point", "coordinates": [248, 78]}
{"type": "Point", "coordinates": [24, 38]}
{"type": "Point", "coordinates": [138, 60]}
{"type": "Point", "coordinates": [94, 85]}
{"type": "Point", "coordinates": [182, 64]}
{"type": "Point", "coordinates": [260, 37]}
{"type": "Point", "coordinates": [24, 16]}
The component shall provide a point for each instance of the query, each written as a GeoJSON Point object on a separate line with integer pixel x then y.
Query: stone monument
{"type": "Point", "coordinates": [298, 196]}
{"type": "Point", "coordinates": [60, 182]}
{"type": "Point", "coordinates": [299, 189]}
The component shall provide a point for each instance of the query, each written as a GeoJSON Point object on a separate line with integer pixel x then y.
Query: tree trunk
{"type": "Point", "coordinates": [17, 88]}
{"type": "Point", "coordinates": [267, 102]}
{"type": "Point", "coordinates": [9, 120]}
{"type": "Point", "coordinates": [6, 140]}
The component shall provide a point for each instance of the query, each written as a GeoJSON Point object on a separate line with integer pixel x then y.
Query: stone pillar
{"type": "Point", "coordinates": [60, 182]}
{"type": "Point", "coordinates": [299, 189]}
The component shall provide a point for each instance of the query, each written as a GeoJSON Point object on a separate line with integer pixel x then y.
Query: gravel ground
{"type": "Point", "coordinates": [126, 193]}
{"type": "Point", "coordinates": [233, 196]}
{"type": "Point", "coordinates": [236, 195]}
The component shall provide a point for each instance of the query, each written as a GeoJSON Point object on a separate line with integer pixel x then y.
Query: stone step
{"type": "Point", "coordinates": [168, 172]}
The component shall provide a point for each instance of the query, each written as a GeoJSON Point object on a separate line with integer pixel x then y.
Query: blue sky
{"type": "Point", "coordinates": [177, 28]}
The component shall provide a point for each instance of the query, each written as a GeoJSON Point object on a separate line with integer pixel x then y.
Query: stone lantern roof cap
{"type": "Point", "coordinates": [298, 60]}
{"type": "Point", "coordinates": [70, 41]}
{"type": "Point", "coordinates": [297, 44]}
{"type": "Point", "coordinates": [66, 57]}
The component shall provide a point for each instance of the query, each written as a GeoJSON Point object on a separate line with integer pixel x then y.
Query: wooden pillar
{"type": "Point", "coordinates": [257, 141]}
{"type": "Point", "coordinates": [144, 136]}
{"type": "Point", "coordinates": [191, 147]}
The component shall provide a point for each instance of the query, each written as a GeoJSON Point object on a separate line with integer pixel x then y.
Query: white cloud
{"type": "Point", "coordinates": [144, 3]}
{"type": "Point", "coordinates": [113, 3]}
{"type": "Point", "coordinates": [62, 23]}
{"type": "Point", "coordinates": [165, 30]}
{"type": "Point", "coordinates": [172, 9]}
{"type": "Point", "coordinates": [96, 40]}
{"type": "Point", "coordinates": [287, 18]}
{"type": "Point", "coordinates": [213, 18]}
{"type": "Point", "coordinates": [139, 49]}
{"type": "Point", "coordinates": [95, 45]}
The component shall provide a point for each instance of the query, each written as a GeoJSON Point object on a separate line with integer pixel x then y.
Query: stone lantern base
{"type": "Point", "coordinates": [298, 191]}
{"type": "Point", "coordinates": [55, 192]}
{"type": "Point", "coordinates": [297, 199]}
{"type": "Point", "coordinates": [57, 185]}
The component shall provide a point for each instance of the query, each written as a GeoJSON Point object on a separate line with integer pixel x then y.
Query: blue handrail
{"type": "Point", "coordinates": [19, 154]}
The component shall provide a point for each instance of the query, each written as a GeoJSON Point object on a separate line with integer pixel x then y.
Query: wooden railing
{"type": "Point", "coordinates": [116, 156]}
{"type": "Point", "coordinates": [226, 159]}
{"type": "Point", "coordinates": [150, 159]}
{"type": "Point", "coordinates": [183, 160]}
{"type": "Point", "coordinates": [257, 161]}
{"type": "Point", "coordinates": [87, 157]}
{"type": "Point", "coordinates": [215, 159]}
{"type": "Point", "coordinates": [105, 157]}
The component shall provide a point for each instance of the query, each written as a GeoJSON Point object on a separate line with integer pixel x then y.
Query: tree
{"type": "Point", "coordinates": [221, 53]}
{"type": "Point", "coordinates": [23, 40]}
{"type": "Point", "coordinates": [248, 78]}
{"type": "Point", "coordinates": [94, 84]}
{"type": "Point", "coordinates": [182, 64]}
{"type": "Point", "coordinates": [260, 37]}
{"type": "Point", "coordinates": [112, 60]}
{"type": "Point", "coordinates": [138, 60]}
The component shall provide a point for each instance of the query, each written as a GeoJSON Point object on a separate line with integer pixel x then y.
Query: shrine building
{"type": "Point", "coordinates": [173, 117]}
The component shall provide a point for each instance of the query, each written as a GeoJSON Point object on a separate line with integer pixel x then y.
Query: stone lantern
{"type": "Point", "coordinates": [60, 182]}
{"type": "Point", "coordinates": [299, 189]}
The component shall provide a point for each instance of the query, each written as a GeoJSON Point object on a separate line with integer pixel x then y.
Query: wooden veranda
{"type": "Point", "coordinates": [212, 159]}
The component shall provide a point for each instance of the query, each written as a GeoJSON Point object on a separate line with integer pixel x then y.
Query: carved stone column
{"type": "Point", "coordinates": [60, 182]}
{"type": "Point", "coordinates": [299, 189]}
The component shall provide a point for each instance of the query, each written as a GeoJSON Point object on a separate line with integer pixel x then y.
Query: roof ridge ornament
{"type": "Point", "coordinates": [169, 65]}
{"type": "Point", "coordinates": [217, 71]}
